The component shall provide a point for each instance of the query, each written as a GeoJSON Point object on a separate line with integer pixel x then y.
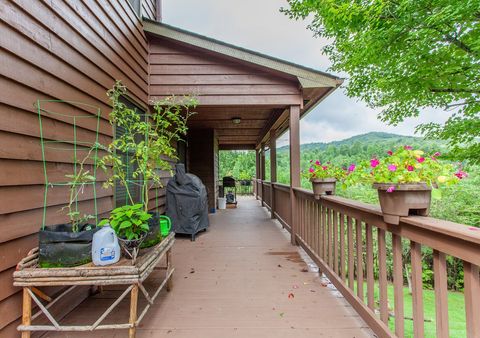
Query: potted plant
{"type": "Point", "coordinates": [150, 142]}
{"type": "Point", "coordinates": [405, 180]}
{"type": "Point", "coordinates": [70, 244]}
{"type": "Point", "coordinates": [130, 223]}
{"type": "Point", "coordinates": [323, 177]}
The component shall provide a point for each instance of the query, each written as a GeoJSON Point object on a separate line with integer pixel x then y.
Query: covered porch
{"type": "Point", "coordinates": [242, 278]}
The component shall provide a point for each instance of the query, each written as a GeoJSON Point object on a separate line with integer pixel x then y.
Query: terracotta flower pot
{"type": "Point", "coordinates": [323, 186]}
{"type": "Point", "coordinates": [406, 199]}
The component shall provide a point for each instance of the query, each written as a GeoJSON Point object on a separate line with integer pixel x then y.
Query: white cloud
{"type": "Point", "coordinates": [258, 25]}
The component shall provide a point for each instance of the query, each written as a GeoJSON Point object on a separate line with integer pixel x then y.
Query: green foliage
{"type": "Point", "coordinates": [129, 221]}
{"type": "Point", "coordinates": [322, 171]}
{"type": "Point", "coordinates": [405, 165]}
{"type": "Point", "coordinates": [239, 164]}
{"type": "Point", "coordinates": [148, 140]}
{"type": "Point", "coordinates": [405, 55]}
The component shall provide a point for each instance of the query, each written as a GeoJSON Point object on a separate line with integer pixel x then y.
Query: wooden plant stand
{"type": "Point", "coordinates": [30, 277]}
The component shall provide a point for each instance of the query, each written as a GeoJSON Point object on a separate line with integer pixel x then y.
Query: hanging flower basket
{"type": "Point", "coordinates": [323, 186]}
{"type": "Point", "coordinates": [401, 200]}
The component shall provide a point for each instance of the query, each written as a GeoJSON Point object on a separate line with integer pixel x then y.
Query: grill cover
{"type": "Point", "coordinates": [187, 204]}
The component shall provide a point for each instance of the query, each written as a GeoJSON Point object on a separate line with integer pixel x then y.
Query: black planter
{"type": "Point", "coordinates": [59, 246]}
{"type": "Point", "coordinates": [154, 235]}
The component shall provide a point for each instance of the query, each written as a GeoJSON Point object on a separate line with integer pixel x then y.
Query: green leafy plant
{"type": "Point", "coordinates": [322, 171]}
{"type": "Point", "coordinates": [149, 140]}
{"type": "Point", "coordinates": [77, 183]}
{"type": "Point", "coordinates": [128, 221]}
{"type": "Point", "coordinates": [405, 165]}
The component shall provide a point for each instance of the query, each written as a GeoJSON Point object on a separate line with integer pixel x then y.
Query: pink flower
{"type": "Point", "coordinates": [351, 167]}
{"type": "Point", "coordinates": [410, 168]}
{"type": "Point", "coordinates": [461, 174]}
{"type": "Point", "coordinates": [311, 170]}
{"type": "Point", "coordinates": [390, 152]}
{"type": "Point", "coordinates": [317, 162]}
{"type": "Point", "coordinates": [420, 159]}
{"type": "Point", "coordinates": [437, 154]}
{"type": "Point", "coordinates": [324, 167]}
{"type": "Point", "coordinates": [391, 189]}
{"type": "Point", "coordinates": [408, 147]}
{"type": "Point", "coordinates": [392, 167]}
{"type": "Point", "coordinates": [374, 162]}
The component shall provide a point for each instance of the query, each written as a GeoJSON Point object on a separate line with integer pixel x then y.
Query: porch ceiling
{"type": "Point", "coordinates": [254, 123]}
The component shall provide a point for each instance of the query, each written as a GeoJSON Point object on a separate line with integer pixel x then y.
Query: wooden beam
{"type": "Point", "coordinates": [236, 146]}
{"type": "Point", "coordinates": [225, 124]}
{"type": "Point", "coordinates": [294, 120]}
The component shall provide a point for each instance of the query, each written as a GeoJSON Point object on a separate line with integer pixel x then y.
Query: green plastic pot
{"type": "Point", "coordinates": [165, 225]}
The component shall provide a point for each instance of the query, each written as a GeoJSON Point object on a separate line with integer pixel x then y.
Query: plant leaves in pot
{"type": "Point", "coordinates": [130, 223]}
{"type": "Point", "coordinates": [153, 235]}
{"type": "Point", "coordinates": [323, 177]}
{"type": "Point", "coordinates": [405, 180]}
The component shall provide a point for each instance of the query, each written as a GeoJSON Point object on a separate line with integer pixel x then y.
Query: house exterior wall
{"type": "Point", "coordinates": [201, 160]}
{"type": "Point", "coordinates": [59, 49]}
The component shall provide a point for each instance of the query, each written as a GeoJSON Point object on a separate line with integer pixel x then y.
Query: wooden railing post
{"type": "Point", "coordinates": [273, 169]}
{"type": "Point", "coordinates": [294, 127]}
{"type": "Point", "coordinates": [262, 171]}
{"type": "Point", "coordinates": [257, 171]}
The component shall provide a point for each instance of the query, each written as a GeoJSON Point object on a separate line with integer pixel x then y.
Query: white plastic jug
{"type": "Point", "coordinates": [105, 248]}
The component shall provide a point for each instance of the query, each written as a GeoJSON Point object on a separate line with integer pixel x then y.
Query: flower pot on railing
{"type": "Point", "coordinates": [323, 186]}
{"type": "Point", "coordinates": [401, 200]}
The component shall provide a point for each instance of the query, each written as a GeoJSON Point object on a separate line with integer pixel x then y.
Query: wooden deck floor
{"type": "Point", "coordinates": [235, 281]}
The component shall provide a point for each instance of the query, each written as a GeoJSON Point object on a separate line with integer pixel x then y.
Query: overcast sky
{"type": "Point", "coordinates": [258, 25]}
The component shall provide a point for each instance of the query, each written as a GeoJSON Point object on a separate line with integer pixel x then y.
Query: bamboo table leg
{"type": "Point", "coordinates": [169, 268]}
{"type": "Point", "coordinates": [27, 312]}
{"type": "Point", "coordinates": [133, 311]}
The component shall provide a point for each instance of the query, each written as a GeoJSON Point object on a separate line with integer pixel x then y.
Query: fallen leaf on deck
{"type": "Point", "coordinates": [291, 296]}
{"type": "Point", "coordinates": [304, 270]}
{"type": "Point", "coordinates": [311, 290]}
{"type": "Point", "coordinates": [279, 265]}
{"type": "Point", "coordinates": [281, 314]}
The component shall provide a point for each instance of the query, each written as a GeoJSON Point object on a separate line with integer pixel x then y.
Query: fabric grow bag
{"type": "Point", "coordinates": [187, 203]}
{"type": "Point", "coordinates": [59, 246]}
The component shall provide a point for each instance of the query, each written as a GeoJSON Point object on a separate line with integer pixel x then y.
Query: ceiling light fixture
{"type": "Point", "coordinates": [236, 120]}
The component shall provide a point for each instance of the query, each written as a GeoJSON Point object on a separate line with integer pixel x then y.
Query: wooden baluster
{"type": "Point", "coordinates": [417, 289]}
{"type": "Point", "coordinates": [335, 241]}
{"type": "Point", "coordinates": [398, 285]}
{"type": "Point", "coordinates": [358, 223]}
{"type": "Point", "coordinates": [330, 237]}
{"type": "Point", "coordinates": [320, 229]}
{"type": "Point", "coordinates": [369, 267]}
{"type": "Point", "coordinates": [325, 234]}
{"type": "Point", "coordinates": [342, 247]}
{"type": "Point", "coordinates": [472, 299]}
{"type": "Point", "coordinates": [441, 293]}
{"type": "Point", "coordinates": [310, 224]}
{"type": "Point", "coordinates": [351, 258]}
{"type": "Point", "coordinates": [317, 229]}
{"type": "Point", "coordinates": [382, 275]}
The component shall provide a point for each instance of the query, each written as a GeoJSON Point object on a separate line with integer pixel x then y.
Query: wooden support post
{"type": "Point", "coordinates": [158, 10]}
{"type": "Point", "coordinates": [262, 171]}
{"type": "Point", "coordinates": [27, 312]}
{"type": "Point", "coordinates": [294, 127]}
{"type": "Point", "coordinates": [133, 311]}
{"type": "Point", "coordinates": [273, 169]}
{"type": "Point", "coordinates": [257, 171]}
{"type": "Point", "coordinates": [169, 268]}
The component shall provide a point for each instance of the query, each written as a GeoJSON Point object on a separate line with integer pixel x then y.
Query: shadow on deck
{"type": "Point", "coordinates": [235, 281]}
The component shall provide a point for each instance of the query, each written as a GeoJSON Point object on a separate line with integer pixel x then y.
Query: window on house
{"type": "Point", "coordinates": [120, 191]}
{"type": "Point", "coordinates": [137, 5]}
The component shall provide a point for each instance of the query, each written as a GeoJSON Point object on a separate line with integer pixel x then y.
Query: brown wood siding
{"type": "Point", "coordinates": [177, 70]}
{"type": "Point", "coordinates": [201, 160]}
{"type": "Point", "coordinates": [67, 50]}
{"type": "Point", "coordinates": [149, 8]}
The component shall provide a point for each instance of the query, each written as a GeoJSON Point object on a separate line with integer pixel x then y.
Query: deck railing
{"type": "Point", "coordinates": [348, 241]}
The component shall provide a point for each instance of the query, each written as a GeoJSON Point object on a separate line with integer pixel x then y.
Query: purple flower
{"type": "Point", "coordinates": [437, 154]}
{"type": "Point", "coordinates": [410, 168]}
{"type": "Point", "coordinates": [420, 159]}
{"type": "Point", "coordinates": [324, 167]}
{"type": "Point", "coordinates": [390, 152]}
{"type": "Point", "coordinates": [391, 189]}
{"type": "Point", "coordinates": [374, 162]}
{"type": "Point", "coordinates": [317, 162]}
{"type": "Point", "coordinates": [408, 147]}
{"type": "Point", "coordinates": [351, 167]}
{"type": "Point", "coordinates": [461, 174]}
{"type": "Point", "coordinates": [311, 170]}
{"type": "Point", "coordinates": [392, 167]}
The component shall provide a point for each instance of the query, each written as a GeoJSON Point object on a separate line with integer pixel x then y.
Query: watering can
{"type": "Point", "coordinates": [165, 225]}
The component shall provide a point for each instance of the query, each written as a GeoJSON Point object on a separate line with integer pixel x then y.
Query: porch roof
{"type": "Point", "coordinates": [232, 82]}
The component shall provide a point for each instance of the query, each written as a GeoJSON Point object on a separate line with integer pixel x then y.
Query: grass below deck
{"type": "Point", "coordinates": [456, 311]}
